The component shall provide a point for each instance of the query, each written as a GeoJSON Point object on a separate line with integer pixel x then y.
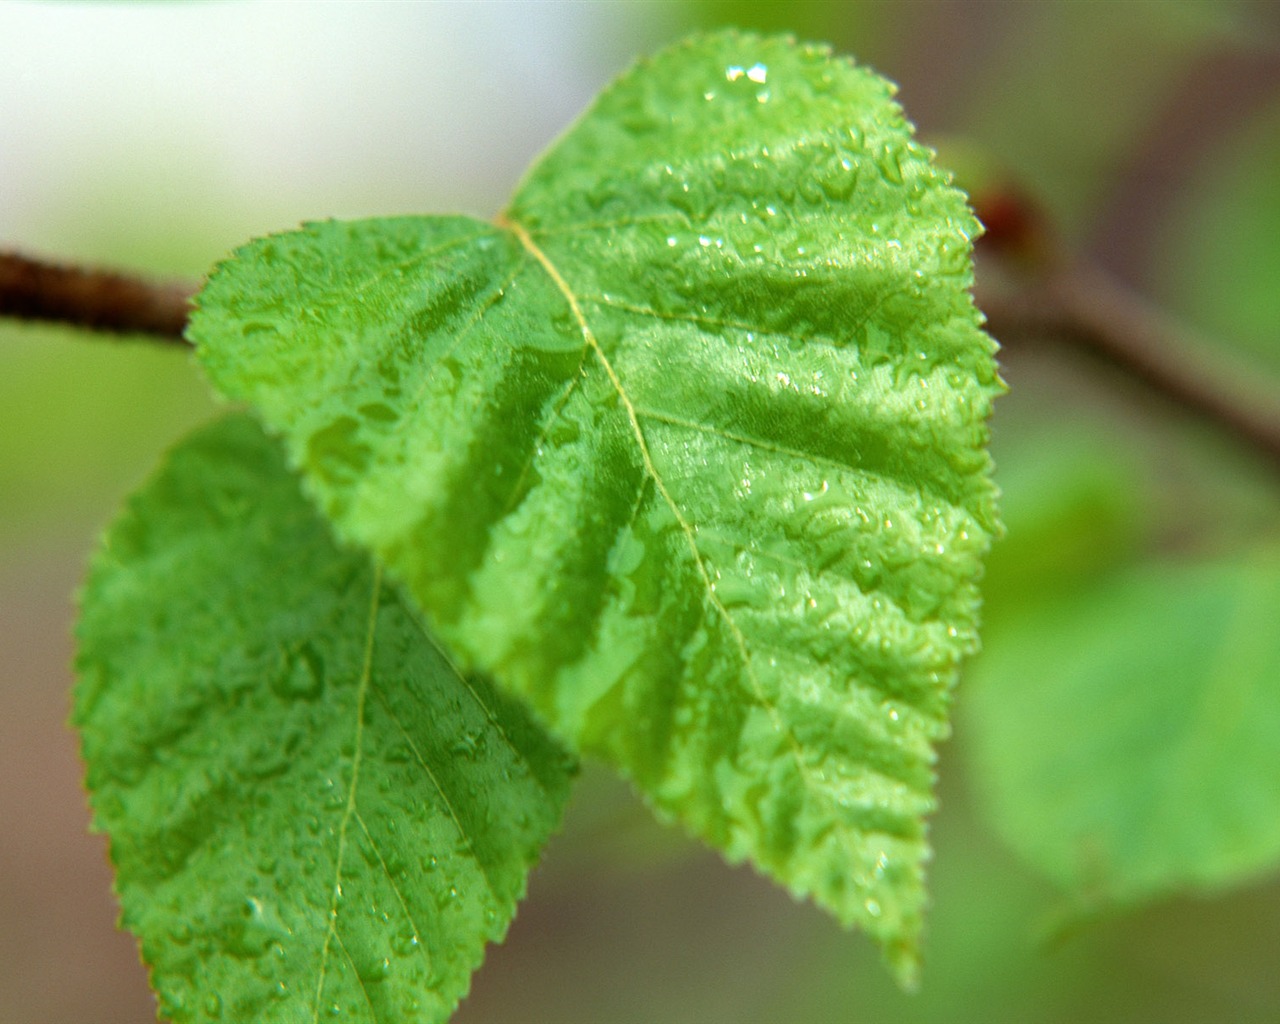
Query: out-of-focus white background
{"type": "Point", "coordinates": [236, 118]}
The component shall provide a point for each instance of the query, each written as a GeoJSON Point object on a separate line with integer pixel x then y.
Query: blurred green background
{"type": "Point", "coordinates": [1101, 853]}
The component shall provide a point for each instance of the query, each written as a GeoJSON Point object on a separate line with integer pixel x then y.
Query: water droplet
{"type": "Point", "coordinates": [405, 944]}
{"type": "Point", "coordinates": [254, 929]}
{"type": "Point", "coordinates": [300, 674]}
{"type": "Point", "coordinates": [373, 971]}
{"type": "Point", "coordinates": [889, 160]}
{"type": "Point", "coordinates": [468, 744]}
{"type": "Point", "coordinates": [757, 73]}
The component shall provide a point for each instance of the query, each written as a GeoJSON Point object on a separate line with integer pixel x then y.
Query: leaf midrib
{"type": "Point", "coordinates": [592, 344]}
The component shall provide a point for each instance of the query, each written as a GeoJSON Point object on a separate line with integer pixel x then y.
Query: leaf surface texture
{"type": "Point", "coordinates": [312, 815]}
{"type": "Point", "coordinates": [687, 448]}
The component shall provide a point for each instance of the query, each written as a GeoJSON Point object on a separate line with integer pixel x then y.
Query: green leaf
{"type": "Point", "coordinates": [1127, 746]}
{"type": "Point", "coordinates": [311, 813]}
{"type": "Point", "coordinates": [687, 449]}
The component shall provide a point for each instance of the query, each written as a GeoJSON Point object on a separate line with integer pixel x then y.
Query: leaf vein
{"type": "Point", "coordinates": [585, 227]}
{"type": "Point", "coordinates": [417, 620]}
{"type": "Point", "coordinates": [494, 296]}
{"type": "Point", "coordinates": [714, 323]}
{"type": "Point", "coordinates": [417, 932]}
{"type": "Point", "coordinates": [382, 271]}
{"type": "Point", "coordinates": [448, 804]}
{"type": "Point", "coordinates": [686, 528]}
{"type": "Point", "coordinates": [349, 811]}
{"type": "Point", "coordinates": [359, 980]}
{"type": "Point", "coordinates": [749, 440]}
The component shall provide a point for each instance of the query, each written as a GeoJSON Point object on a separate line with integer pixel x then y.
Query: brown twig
{"type": "Point", "coordinates": [1030, 287]}
{"type": "Point", "coordinates": [1089, 311]}
{"type": "Point", "coordinates": [95, 299]}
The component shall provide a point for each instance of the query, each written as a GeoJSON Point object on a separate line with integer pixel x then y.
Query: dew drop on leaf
{"type": "Point", "coordinates": [301, 673]}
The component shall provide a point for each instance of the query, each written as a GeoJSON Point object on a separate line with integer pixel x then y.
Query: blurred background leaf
{"type": "Point", "coordinates": [157, 136]}
{"type": "Point", "coordinates": [1125, 732]}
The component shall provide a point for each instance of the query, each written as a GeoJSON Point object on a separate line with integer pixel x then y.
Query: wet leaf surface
{"type": "Point", "coordinates": [312, 815]}
{"type": "Point", "coordinates": [686, 449]}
